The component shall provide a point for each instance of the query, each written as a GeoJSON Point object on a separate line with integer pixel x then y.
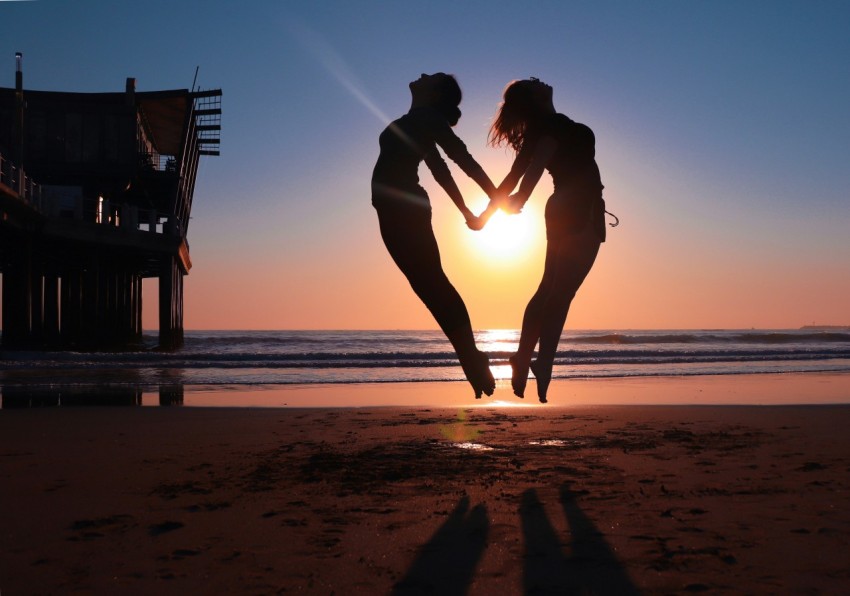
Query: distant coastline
{"type": "Point", "coordinates": [825, 327]}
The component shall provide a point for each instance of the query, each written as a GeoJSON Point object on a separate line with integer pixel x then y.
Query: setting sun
{"type": "Point", "coordinates": [507, 236]}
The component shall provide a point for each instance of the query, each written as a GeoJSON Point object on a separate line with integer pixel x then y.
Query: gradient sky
{"type": "Point", "coordinates": [723, 138]}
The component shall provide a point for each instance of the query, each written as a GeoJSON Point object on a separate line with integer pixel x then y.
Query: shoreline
{"type": "Point", "coordinates": [755, 389]}
{"type": "Point", "coordinates": [764, 389]}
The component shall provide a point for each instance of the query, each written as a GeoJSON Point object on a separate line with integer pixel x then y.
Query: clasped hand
{"type": "Point", "coordinates": [513, 204]}
{"type": "Point", "coordinates": [509, 204]}
{"type": "Point", "coordinates": [475, 222]}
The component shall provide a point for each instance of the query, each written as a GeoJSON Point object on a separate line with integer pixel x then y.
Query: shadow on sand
{"type": "Point", "coordinates": [586, 565]}
{"type": "Point", "coordinates": [446, 563]}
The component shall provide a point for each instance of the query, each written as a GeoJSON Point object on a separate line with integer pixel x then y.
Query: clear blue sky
{"type": "Point", "coordinates": [723, 136]}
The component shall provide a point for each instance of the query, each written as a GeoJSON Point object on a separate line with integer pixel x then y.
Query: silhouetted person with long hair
{"type": "Point", "coordinates": [527, 122]}
{"type": "Point", "coordinates": [404, 210]}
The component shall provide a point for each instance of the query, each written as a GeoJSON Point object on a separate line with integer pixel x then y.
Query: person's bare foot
{"type": "Point", "coordinates": [543, 375]}
{"type": "Point", "coordinates": [478, 374]}
{"type": "Point", "coordinates": [519, 375]}
{"type": "Point", "coordinates": [487, 383]}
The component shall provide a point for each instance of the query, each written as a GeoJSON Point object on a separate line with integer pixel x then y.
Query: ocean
{"type": "Point", "coordinates": [245, 358]}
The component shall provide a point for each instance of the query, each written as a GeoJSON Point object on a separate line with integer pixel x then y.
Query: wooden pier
{"type": "Point", "coordinates": [95, 195]}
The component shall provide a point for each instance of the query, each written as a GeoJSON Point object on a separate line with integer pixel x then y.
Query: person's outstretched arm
{"type": "Point", "coordinates": [492, 207]}
{"type": "Point", "coordinates": [456, 150]}
{"type": "Point", "coordinates": [530, 167]}
{"type": "Point", "coordinates": [444, 178]}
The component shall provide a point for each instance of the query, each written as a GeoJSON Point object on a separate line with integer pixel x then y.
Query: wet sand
{"type": "Point", "coordinates": [591, 499]}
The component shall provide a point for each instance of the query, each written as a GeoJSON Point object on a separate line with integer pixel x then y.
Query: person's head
{"type": "Point", "coordinates": [524, 103]}
{"type": "Point", "coordinates": [440, 91]}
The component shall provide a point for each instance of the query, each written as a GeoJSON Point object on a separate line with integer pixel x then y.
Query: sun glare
{"type": "Point", "coordinates": [506, 236]}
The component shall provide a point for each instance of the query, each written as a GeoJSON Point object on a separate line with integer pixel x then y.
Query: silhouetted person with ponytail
{"type": "Point", "coordinates": [404, 210]}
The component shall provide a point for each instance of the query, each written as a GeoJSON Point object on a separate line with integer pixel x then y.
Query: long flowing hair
{"type": "Point", "coordinates": [516, 117]}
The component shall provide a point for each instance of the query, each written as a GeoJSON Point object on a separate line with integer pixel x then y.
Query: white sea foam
{"type": "Point", "coordinates": [296, 357]}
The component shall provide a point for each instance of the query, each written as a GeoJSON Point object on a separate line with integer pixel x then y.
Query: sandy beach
{"type": "Point", "coordinates": [488, 499]}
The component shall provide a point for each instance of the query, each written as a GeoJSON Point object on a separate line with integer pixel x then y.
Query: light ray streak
{"type": "Point", "coordinates": [334, 64]}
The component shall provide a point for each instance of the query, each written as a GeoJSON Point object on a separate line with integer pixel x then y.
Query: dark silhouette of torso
{"type": "Point", "coordinates": [405, 143]}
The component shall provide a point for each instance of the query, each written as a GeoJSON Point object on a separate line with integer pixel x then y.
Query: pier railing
{"type": "Point", "coordinates": [159, 163]}
{"type": "Point", "coordinates": [16, 179]}
{"type": "Point", "coordinates": [67, 202]}
{"type": "Point", "coordinates": [64, 202]}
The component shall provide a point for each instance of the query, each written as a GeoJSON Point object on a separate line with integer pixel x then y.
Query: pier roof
{"type": "Point", "coordinates": [165, 112]}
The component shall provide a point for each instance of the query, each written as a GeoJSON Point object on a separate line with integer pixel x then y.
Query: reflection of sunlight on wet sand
{"type": "Point", "coordinates": [472, 446]}
{"type": "Point", "coordinates": [556, 443]}
{"type": "Point", "coordinates": [502, 403]}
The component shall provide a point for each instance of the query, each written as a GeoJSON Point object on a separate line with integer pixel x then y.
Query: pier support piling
{"type": "Point", "coordinates": [171, 304]}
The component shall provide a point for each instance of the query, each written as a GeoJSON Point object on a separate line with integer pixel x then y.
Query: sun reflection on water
{"type": "Point", "coordinates": [501, 372]}
{"type": "Point", "coordinates": [497, 340]}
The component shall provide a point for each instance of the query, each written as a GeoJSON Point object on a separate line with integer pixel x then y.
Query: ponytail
{"type": "Point", "coordinates": [449, 97]}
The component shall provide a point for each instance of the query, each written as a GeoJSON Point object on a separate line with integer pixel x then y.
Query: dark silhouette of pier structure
{"type": "Point", "coordinates": [95, 196]}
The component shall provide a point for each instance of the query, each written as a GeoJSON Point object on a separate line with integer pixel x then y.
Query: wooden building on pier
{"type": "Point", "coordinates": [95, 195]}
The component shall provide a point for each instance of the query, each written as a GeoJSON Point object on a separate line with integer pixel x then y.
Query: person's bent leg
{"type": "Point", "coordinates": [574, 259]}
{"type": "Point", "coordinates": [449, 310]}
{"type": "Point", "coordinates": [446, 305]}
{"type": "Point", "coordinates": [531, 322]}
{"type": "Point", "coordinates": [413, 247]}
